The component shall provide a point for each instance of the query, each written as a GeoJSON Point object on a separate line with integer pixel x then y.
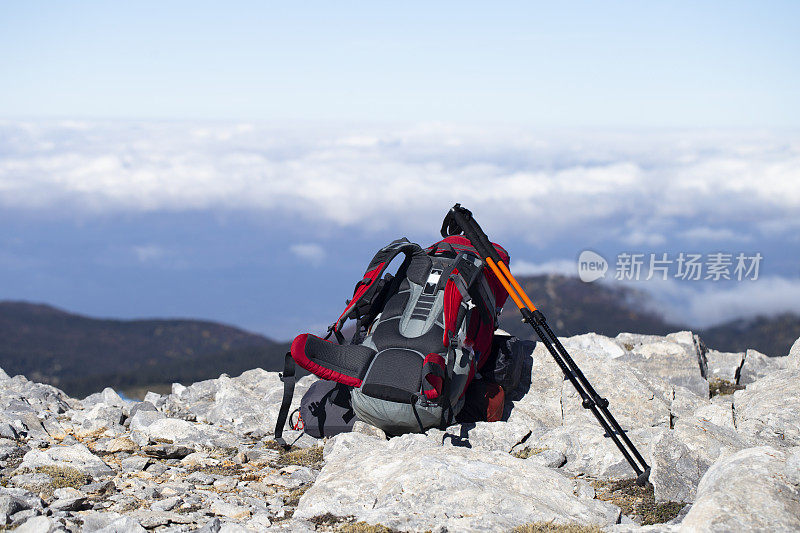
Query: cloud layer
{"type": "Point", "coordinates": [633, 185]}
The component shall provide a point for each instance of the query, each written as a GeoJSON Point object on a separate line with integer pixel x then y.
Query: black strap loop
{"type": "Point", "coordinates": [288, 379]}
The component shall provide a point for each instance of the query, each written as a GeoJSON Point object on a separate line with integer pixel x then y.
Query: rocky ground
{"type": "Point", "coordinates": [721, 431]}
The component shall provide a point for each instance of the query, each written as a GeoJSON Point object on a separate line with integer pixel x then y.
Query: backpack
{"type": "Point", "coordinates": [420, 336]}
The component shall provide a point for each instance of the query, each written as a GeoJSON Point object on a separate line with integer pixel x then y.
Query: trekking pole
{"type": "Point", "coordinates": [460, 220]}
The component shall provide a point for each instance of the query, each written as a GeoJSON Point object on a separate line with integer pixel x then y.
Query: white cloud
{"type": "Point", "coordinates": [707, 304]}
{"type": "Point", "coordinates": [561, 183]}
{"type": "Point", "coordinates": [704, 233]}
{"type": "Point", "coordinates": [565, 267]}
{"type": "Point", "coordinates": [148, 253]}
{"type": "Point", "coordinates": [311, 253]}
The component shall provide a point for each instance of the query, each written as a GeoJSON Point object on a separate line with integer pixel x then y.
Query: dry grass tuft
{"type": "Point", "coordinates": [551, 527]}
{"type": "Point", "coordinates": [721, 387]}
{"type": "Point", "coordinates": [528, 452]}
{"type": "Point", "coordinates": [637, 501]}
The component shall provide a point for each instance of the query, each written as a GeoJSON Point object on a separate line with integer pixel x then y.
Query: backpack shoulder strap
{"type": "Point", "coordinates": [367, 287]}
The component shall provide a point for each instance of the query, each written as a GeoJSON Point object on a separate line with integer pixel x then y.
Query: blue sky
{"type": "Point", "coordinates": [242, 161]}
{"type": "Point", "coordinates": [605, 64]}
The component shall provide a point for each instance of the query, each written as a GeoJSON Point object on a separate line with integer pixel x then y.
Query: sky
{"type": "Point", "coordinates": [242, 162]}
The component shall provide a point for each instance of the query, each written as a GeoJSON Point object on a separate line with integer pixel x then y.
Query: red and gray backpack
{"type": "Point", "coordinates": [420, 337]}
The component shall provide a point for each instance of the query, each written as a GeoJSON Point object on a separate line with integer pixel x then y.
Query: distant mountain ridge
{"type": "Point", "coordinates": [573, 307]}
{"type": "Point", "coordinates": [80, 354]}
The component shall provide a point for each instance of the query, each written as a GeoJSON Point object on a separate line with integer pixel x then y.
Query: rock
{"type": "Point", "coordinates": [96, 522]}
{"type": "Point", "coordinates": [725, 365]}
{"type": "Point", "coordinates": [633, 402]}
{"type": "Point", "coordinates": [675, 358]}
{"type": "Point", "coordinates": [121, 444]}
{"type": "Point", "coordinates": [589, 452]}
{"type": "Point", "coordinates": [212, 526]}
{"type": "Point", "coordinates": [76, 456]}
{"type": "Point", "coordinates": [247, 404]}
{"type": "Point", "coordinates": [793, 360]}
{"type": "Point", "coordinates": [768, 411]}
{"type": "Point", "coordinates": [10, 505]}
{"type": "Point", "coordinates": [383, 483]}
{"type": "Point", "coordinates": [68, 503]}
{"type": "Point", "coordinates": [134, 464]}
{"type": "Point", "coordinates": [496, 436]}
{"type": "Point", "coordinates": [37, 524]}
{"type": "Point", "coordinates": [746, 491]}
{"type": "Point", "coordinates": [549, 458]}
{"type": "Point", "coordinates": [28, 499]}
{"type": "Point", "coordinates": [167, 451]}
{"type": "Point", "coordinates": [237, 512]}
{"type": "Point", "coordinates": [682, 456]}
{"type": "Point", "coordinates": [158, 400]}
{"type": "Point", "coordinates": [757, 365]}
{"type": "Point", "coordinates": [140, 406]}
{"type": "Point", "coordinates": [152, 426]}
{"type": "Point", "coordinates": [367, 429]}
{"type": "Point", "coordinates": [226, 483]}
{"type": "Point", "coordinates": [200, 478]}
{"type": "Point", "coordinates": [167, 504]}
{"type": "Point", "coordinates": [716, 414]}
{"type": "Point", "coordinates": [536, 403]}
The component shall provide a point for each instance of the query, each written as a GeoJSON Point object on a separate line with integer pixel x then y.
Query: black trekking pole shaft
{"type": "Point", "coordinates": [459, 220]}
{"type": "Point", "coordinates": [606, 420]}
{"type": "Point", "coordinates": [602, 403]}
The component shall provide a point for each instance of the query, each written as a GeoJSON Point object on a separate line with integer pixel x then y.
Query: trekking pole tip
{"type": "Point", "coordinates": [644, 477]}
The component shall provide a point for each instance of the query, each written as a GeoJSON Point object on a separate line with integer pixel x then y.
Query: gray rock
{"type": "Point", "coordinates": [140, 406]}
{"type": "Point", "coordinates": [674, 358]}
{"type": "Point", "coordinates": [768, 411]}
{"type": "Point", "coordinates": [167, 451]}
{"type": "Point", "coordinates": [793, 360]}
{"type": "Point", "coordinates": [21, 517]}
{"type": "Point", "coordinates": [76, 456]}
{"type": "Point", "coordinates": [10, 505]}
{"type": "Point", "coordinates": [229, 510]}
{"type": "Point", "coordinates": [96, 522]}
{"type": "Point", "coordinates": [212, 526]}
{"type": "Point", "coordinates": [29, 500]}
{"type": "Point", "coordinates": [200, 478]}
{"type": "Point", "coordinates": [151, 426]}
{"type": "Point", "coordinates": [725, 365]}
{"type": "Point", "coordinates": [363, 427]}
{"type": "Point", "coordinates": [746, 491]}
{"type": "Point", "coordinates": [757, 365]}
{"type": "Point", "coordinates": [589, 452]}
{"type": "Point", "coordinates": [73, 503]}
{"type": "Point", "coordinates": [38, 524]}
{"type": "Point", "coordinates": [683, 455]}
{"type": "Point", "coordinates": [380, 482]}
{"type": "Point", "coordinates": [536, 403]}
{"type": "Point", "coordinates": [246, 404]}
{"type": "Point", "coordinates": [167, 504]}
{"type": "Point", "coordinates": [549, 458]}
{"type": "Point", "coordinates": [158, 400]}
{"type": "Point", "coordinates": [135, 464]}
